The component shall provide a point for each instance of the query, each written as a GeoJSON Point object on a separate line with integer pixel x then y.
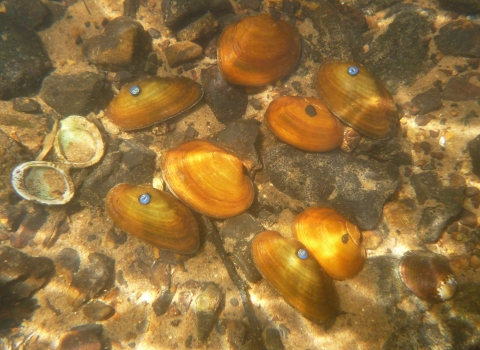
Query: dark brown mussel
{"type": "Point", "coordinates": [152, 100]}
{"type": "Point", "coordinates": [428, 275]}
{"type": "Point", "coordinates": [257, 50]}
{"type": "Point", "coordinates": [357, 98]}
{"type": "Point", "coordinates": [305, 123]}
{"type": "Point", "coordinates": [332, 239]}
{"type": "Point", "coordinates": [154, 216]}
{"type": "Point", "coordinates": [295, 274]}
{"type": "Point", "coordinates": [207, 178]}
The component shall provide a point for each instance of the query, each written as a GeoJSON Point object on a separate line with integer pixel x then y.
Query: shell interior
{"type": "Point", "coordinates": [78, 142]}
{"type": "Point", "coordinates": [43, 182]}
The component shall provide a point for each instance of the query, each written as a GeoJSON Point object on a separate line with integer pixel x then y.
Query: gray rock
{"type": "Point", "coordinates": [208, 306]}
{"type": "Point", "coordinates": [67, 263]}
{"type": "Point", "coordinates": [461, 6]}
{"type": "Point", "coordinates": [337, 38]}
{"type": "Point", "coordinates": [228, 102]}
{"type": "Point", "coordinates": [239, 137]}
{"type": "Point", "coordinates": [98, 311]}
{"type": "Point", "coordinates": [201, 28]}
{"type": "Point", "coordinates": [23, 59]}
{"type": "Point", "coordinates": [273, 338]}
{"type": "Point", "coordinates": [459, 317]}
{"type": "Point", "coordinates": [355, 187]}
{"type": "Point", "coordinates": [11, 155]}
{"type": "Point", "coordinates": [233, 332]}
{"type": "Point", "coordinates": [84, 337]}
{"type": "Point", "coordinates": [76, 94]}
{"type": "Point", "coordinates": [401, 53]}
{"type": "Point", "coordinates": [91, 281]}
{"type": "Point", "coordinates": [124, 44]}
{"type": "Point", "coordinates": [460, 89]}
{"type": "Point", "coordinates": [125, 161]}
{"type": "Point", "coordinates": [473, 148]}
{"type": "Point", "coordinates": [161, 304]}
{"type": "Point", "coordinates": [160, 275]}
{"type": "Point", "coordinates": [437, 215]}
{"type": "Point", "coordinates": [29, 13]}
{"type": "Point", "coordinates": [182, 52]}
{"type": "Point", "coordinates": [459, 38]}
{"type": "Point", "coordinates": [26, 105]}
{"type": "Point", "coordinates": [175, 12]}
{"type": "Point", "coordinates": [368, 6]}
{"type": "Point", "coordinates": [427, 101]}
{"type": "Point", "coordinates": [238, 233]}
{"type": "Point", "coordinates": [393, 150]}
{"type": "Point", "coordinates": [28, 228]}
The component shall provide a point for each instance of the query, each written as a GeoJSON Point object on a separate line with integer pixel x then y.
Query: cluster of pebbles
{"type": "Point", "coordinates": [68, 276]}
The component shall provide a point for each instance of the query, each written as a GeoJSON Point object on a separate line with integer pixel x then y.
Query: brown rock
{"type": "Point", "coordinates": [203, 27]}
{"type": "Point", "coordinates": [182, 52]}
{"type": "Point", "coordinates": [123, 41]}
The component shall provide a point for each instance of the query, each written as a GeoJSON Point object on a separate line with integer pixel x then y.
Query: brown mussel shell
{"type": "Point", "coordinates": [333, 240]}
{"type": "Point", "coordinates": [428, 275]}
{"type": "Point", "coordinates": [359, 100]}
{"type": "Point", "coordinates": [257, 50]}
{"type": "Point", "coordinates": [305, 123]}
{"type": "Point", "coordinates": [207, 178]}
{"type": "Point", "coordinates": [301, 282]}
{"type": "Point", "coordinates": [157, 100]}
{"type": "Point", "coordinates": [162, 221]}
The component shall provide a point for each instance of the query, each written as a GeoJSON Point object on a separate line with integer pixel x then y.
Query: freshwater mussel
{"type": "Point", "coordinates": [305, 123]}
{"type": "Point", "coordinates": [428, 275]}
{"type": "Point", "coordinates": [287, 265]}
{"type": "Point", "coordinates": [207, 178]}
{"type": "Point", "coordinates": [257, 50]}
{"type": "Point", "coordinates": [154, 216]}
{"type": "Point", "coordinates": [332, 239]}
{"type": "Point", "coordinates": [43, 182]}
{"type": "Point", "coordinates": [152, 100]}
{"type": "Point", "coordinates": [357, 98]}
{"type": "Point", "coordinates": [78, 142]}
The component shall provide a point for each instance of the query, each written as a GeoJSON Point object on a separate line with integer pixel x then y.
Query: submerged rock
{"type": "Point", "coordinates": [355, 187]}
{"type": "Point", "coordinates": [207, 309]}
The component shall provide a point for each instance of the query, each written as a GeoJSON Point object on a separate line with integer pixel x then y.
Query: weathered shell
{"type": "Point", "coordinates": [154, 216]}
{"type": "Point", "coordinates": [300, 281]}
{"type": "Point", "coordinates": [305, 123]}
{"type": "Point", "coordinates": [78, 142]}
{"type": "Point", "coordinates": [155, 100]}
{"type": "Point", "coordinates": [357, 98]}
{"type": "Point", "coordinates": [207, 178]}
{"type": "Point", "coordinates": [43, 182]}
{"type": "Point", "coordinates": [333, 240]}
{"type": "Point", "coordinates": [257, 50]}
{"type": "Point", "coordinates": [428, 275]}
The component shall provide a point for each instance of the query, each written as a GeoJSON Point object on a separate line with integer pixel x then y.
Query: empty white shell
{"type": "Point", "coordinates": [43, 182]}
{"type": "Point", "coordinates": [78, 142]}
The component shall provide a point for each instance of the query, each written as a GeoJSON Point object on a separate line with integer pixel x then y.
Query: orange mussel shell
{"type": "Point", "coordinates": [257, 50]}
{"type": "Point", "coordinates": [305, 123]}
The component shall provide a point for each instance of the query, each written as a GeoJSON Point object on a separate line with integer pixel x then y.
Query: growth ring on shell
{"type": "Point", "coordinates": [155, 100]}
{"type": "Point", "coordinates": [257, 50]}
{"type": "Point", "coordinates": [359, 100]}
{"type": "Point", "coordinates": [207, 178]}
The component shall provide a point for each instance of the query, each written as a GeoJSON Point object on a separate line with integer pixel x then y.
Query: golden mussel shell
{"type": "Point", "coordinates": [152, 100]}
{"type": "Point", "coordinates": [428, 275]}
{"type": "Point", "coordinates": [334, 241]}
{"type": "Point", "coordinates": [207, 178]}
{"type": "Point", "coordinates": [257, 50]}
{"type": "Point", "coordinates": [305, 123]}
{"type": "Point", "coordinates": [357, 98]}
{"type": "Point", "coordinates": [296, 276]}
{"type": "Point", "coordinates": [154, 216]}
